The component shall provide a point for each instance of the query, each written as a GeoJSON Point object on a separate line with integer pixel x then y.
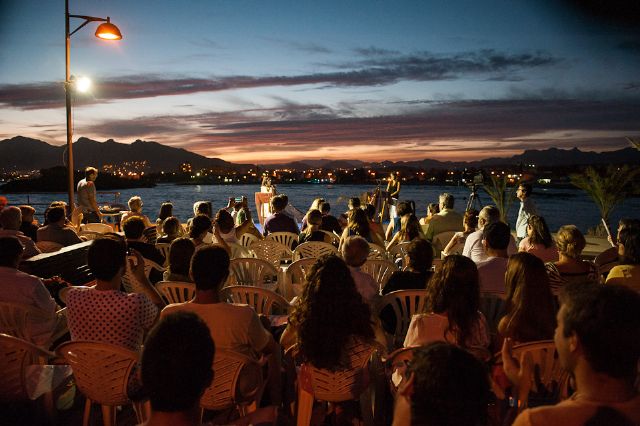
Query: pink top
{"type": "Point", "coordinates": [427, 328]}
{"type": "Point", "coordinates": [547, 254]}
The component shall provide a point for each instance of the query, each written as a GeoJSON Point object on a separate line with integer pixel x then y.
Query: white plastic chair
{"type": "Point", "coordinates": [285, 238]}
{"type": "Point", "coordinates": [405, 304]}
{"type": "Point", "coordinates": [238, 251]}
{"type": "Point", "coordinates": [271, 251]}
{"type": "Point", "coordinates": [262, 300]}
{"type": "Point", "coordinates": [101, 228]}
{"type": "Point", "coordinates": [247, 239]}
{"type": "Point", "coordinates": [164, 249]}
{"type": "Point", "coordinates": [377, 252]}
{"type": "Point", "coordinates": [253, 272]}
{"type": "Point", "coordinates": [380, 270]}
{"type": "Point", "coordinates": [313, 249]}
{"type": "Point", "coordinates": [441, 240]}
{"type": "Point", "coordinates": [399, 250]}
{"type": "Point", "coordinates": [176, 291]}
{"type": "Point", "coordinates": [129, 281]}
{"type": "Point", "coordinates": [296, 273]}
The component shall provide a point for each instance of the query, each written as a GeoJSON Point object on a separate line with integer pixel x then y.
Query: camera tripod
{"type": "Point", "coordinates": [474, 199]}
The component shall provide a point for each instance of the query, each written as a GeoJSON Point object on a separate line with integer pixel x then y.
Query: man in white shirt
{"type": "Point", "coordinates": [10, 221]}
{"type": "Point", "coordinates": [25, 289]}
{"type": "Point", "coordinates": [527, 209]}
{"type": "Point", "coordinates": [473, 247]}
{"type": "Point", "coordinates": [355, 251]}
{"type": "Point", "coordinates": [491, 271]}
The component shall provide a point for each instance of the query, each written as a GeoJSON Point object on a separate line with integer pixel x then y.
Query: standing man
{"type": "Point", "coordinates": [87, 196]}
{"type": "Point", "coordinates": [527, 209]}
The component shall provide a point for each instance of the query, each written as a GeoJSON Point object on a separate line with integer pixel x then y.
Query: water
{"type": "Point", "coordinates": [558, 206]}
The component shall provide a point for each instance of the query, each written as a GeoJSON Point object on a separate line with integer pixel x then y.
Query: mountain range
{"type": "Point", "coordinates": [22, 153]}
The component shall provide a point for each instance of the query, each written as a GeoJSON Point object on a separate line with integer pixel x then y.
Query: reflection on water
{"type": "Point", "coordinates": [558, 206]}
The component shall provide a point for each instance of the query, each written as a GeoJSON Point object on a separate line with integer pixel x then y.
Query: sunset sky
{"type": "Point", "coordinates": [268, 81]}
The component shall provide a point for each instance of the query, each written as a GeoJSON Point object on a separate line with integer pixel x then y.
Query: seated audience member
{"type": "Point", "coordinates": [451, 310]}
{"type": "Point", "coordinates": [415, 275]}
{"type": "Point", "coordinates": [28, 226]}
{"type": "Point", "coordinates": [180, 254]}
{"type": "Point", "coordinates": [495, 242]}
{"type": "Point", "coordinates": [359, 225]}
{"type": "Point", "coordinates": [315, 205]}
{"type": "Point", "coordinates": [228, 230]}
{"type": "Point", "coordinates": [56, 231]}
{"type": "Point", "coordinates": [10, 220]}
{"type": "Point", "coordinates": [376, 226]}
{"type": "Point", "coordinates": [199, 207]}
{"type": "Point", "coordinates": [597, 343]}
{"type": "Point", "coordinates": [610, 255]}
{"type": "Point", "coordinates": [529, 313]}
{"type": "Point", "coordinates": [456, 244]}
{"type": "Point", "coordinates": [539, 241]}
{"type": "Point", "coordinates": [135, 210]}
{"type": "Point", "coordinates": [446, 220]}
{"type": "Point", "coordinates": [312, 232]}
{"type": "Point", "coordinates": [355, 251]}
{"type": "Point", "coordinates": [473, 247]}
{"type": "Point", "coordinates": [233, 327]}
{"type": "Point", "coordinates": [25, 289]}
{"type": "Point", "coordinates": [177, 363]}
{"type": "Point", "coordinates": [330, 317]}
{"type": "Point", "coordinates": [403, 208]}
{"type": "Point", "coordinates": [171, 229]}
{"type": "Point", "coordinates": [446, 386]}
{"type": "Point", "coordinates": [432, 210]}
{"type": "Point", "coordinates": [628, 271]}
{"type": "Point", "coordinates": [133, 231]}
{"type": "Point", "coordinates": [166, 211]}
{"type": "Point", "coordinates": [200, 230]}
{"type": "Point", "coordinates": [279, 221]}
{"type": "Point", "coordinates": [409, 231]}
{"type": "Point", "coordinates": [329, 223]}
{"type": "Point", "coordinates": [104, 313]}
{"type": "Point", "coordinates": [569, 268]}
{"type": "Point", "coordinates": [353, 203]}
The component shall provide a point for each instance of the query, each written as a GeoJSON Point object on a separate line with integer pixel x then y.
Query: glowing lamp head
{"type": "Point", "coordinates": [83, 84]}
{"type": "Point", "coordinates": [108, 31]}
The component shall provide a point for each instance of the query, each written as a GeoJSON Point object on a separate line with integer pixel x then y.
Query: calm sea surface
{"type": "Point", "coordinates": [558, 206]}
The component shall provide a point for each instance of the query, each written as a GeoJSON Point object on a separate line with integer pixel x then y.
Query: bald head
{"type": "Point", "coordinates": [355, 251]}
{"type": "Point", "coordinates": [11, 218]}
{"type": "Point", "coordinates": [488, 214]}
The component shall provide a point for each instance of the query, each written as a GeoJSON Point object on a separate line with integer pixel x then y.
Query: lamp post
{"type": "Point", "coordinates": [105, 31]}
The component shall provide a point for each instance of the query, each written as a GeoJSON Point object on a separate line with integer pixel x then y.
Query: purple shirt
{"type": "Point", "coordinates": [280, 222]}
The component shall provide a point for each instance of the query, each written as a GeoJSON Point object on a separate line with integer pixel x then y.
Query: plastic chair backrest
{"type": "Point", "coordinates": [261, 300]}
{"type": "Point", "coordinates": [151, 234]}
{"type": "Point", "coordinates": [405, 304]}
{"type": "Point", "coordinates": [129, 281]}
{"type": "Point", "coordinates": [380, 270]}
{"type": "Point", "coordinates": [48, 246]}
{"type": "Point", "coordinates": [271, 251]}
{"type": "Point", "coordinates": [237, 382]}
{"type": "Point", "coordinates": [441, 240]}
{"type": "Point", "coordinates": [15, 317]}
{"type": "Point", "coordinates": [335, 239]}
{"type": "Point", "coordinates": [101, 370]}
{"type": "Point", "coordinates": [89, 235]}
{"type": "Point", "coordinates": [239, 251]}
{"type": "Point", "coordinates": [102, 228]}
{"type": "Point", "coordinates": [176, 291]}
{"type": "Point", "coordinates": [253, 272]}
{"type": "Point", "coordinates": [247, 239]}
{"type": "Point", "coordinates": [164, 249]}
{"type": "Point", "coordinates": [399, 250]}
{"type": "Point", "coordinates": [15, 356]}
{"type": "Point", "coordinates": [376, 252]}
{"type": "Point", "coordinates": [284, 238]}
{"type": "Point", "coordinates": [313, 249]}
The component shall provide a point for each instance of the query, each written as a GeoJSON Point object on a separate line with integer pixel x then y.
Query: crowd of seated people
{"type": "Point", "coordinates": [596, 327]}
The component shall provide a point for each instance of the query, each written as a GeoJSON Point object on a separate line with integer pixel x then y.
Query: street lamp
{"type": "Point", "coordinates": [105, 31]}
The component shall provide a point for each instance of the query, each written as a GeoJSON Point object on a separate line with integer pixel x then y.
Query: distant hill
{"type": "Point", "coordinates": [21, 153]}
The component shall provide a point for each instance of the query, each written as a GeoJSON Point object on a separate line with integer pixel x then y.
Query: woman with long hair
{"type": "Point", "coordinates": [469, 223]}
{"type": "Point", "coordinates": [358, 224]}
{"type": "Point", "coordinates": [539, 241]}
{"type": "Point", "coordinates": [329, 317]}
{"type": "Point", "coordinates": [451, 310]}
{"type": "Point", "coordinates": [409, 230]}
{"type": "Point", "coordinates": [569, 267]}
{"type": "Point", "coordinates": [315, 205]}
{"type": "Point", "coordinates": [166, 210]}
{"type": "Point", "coordinates": [312, 232]}
{"type": "Point", "coordinates": [171, 229]}
{"type": "Point", "coordinates": [180, 254]}
{"type": "Point", "coordinates": [530, 314]}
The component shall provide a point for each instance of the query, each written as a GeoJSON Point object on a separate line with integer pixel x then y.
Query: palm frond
{"type": "Point", "coordinates": [502, 197]}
